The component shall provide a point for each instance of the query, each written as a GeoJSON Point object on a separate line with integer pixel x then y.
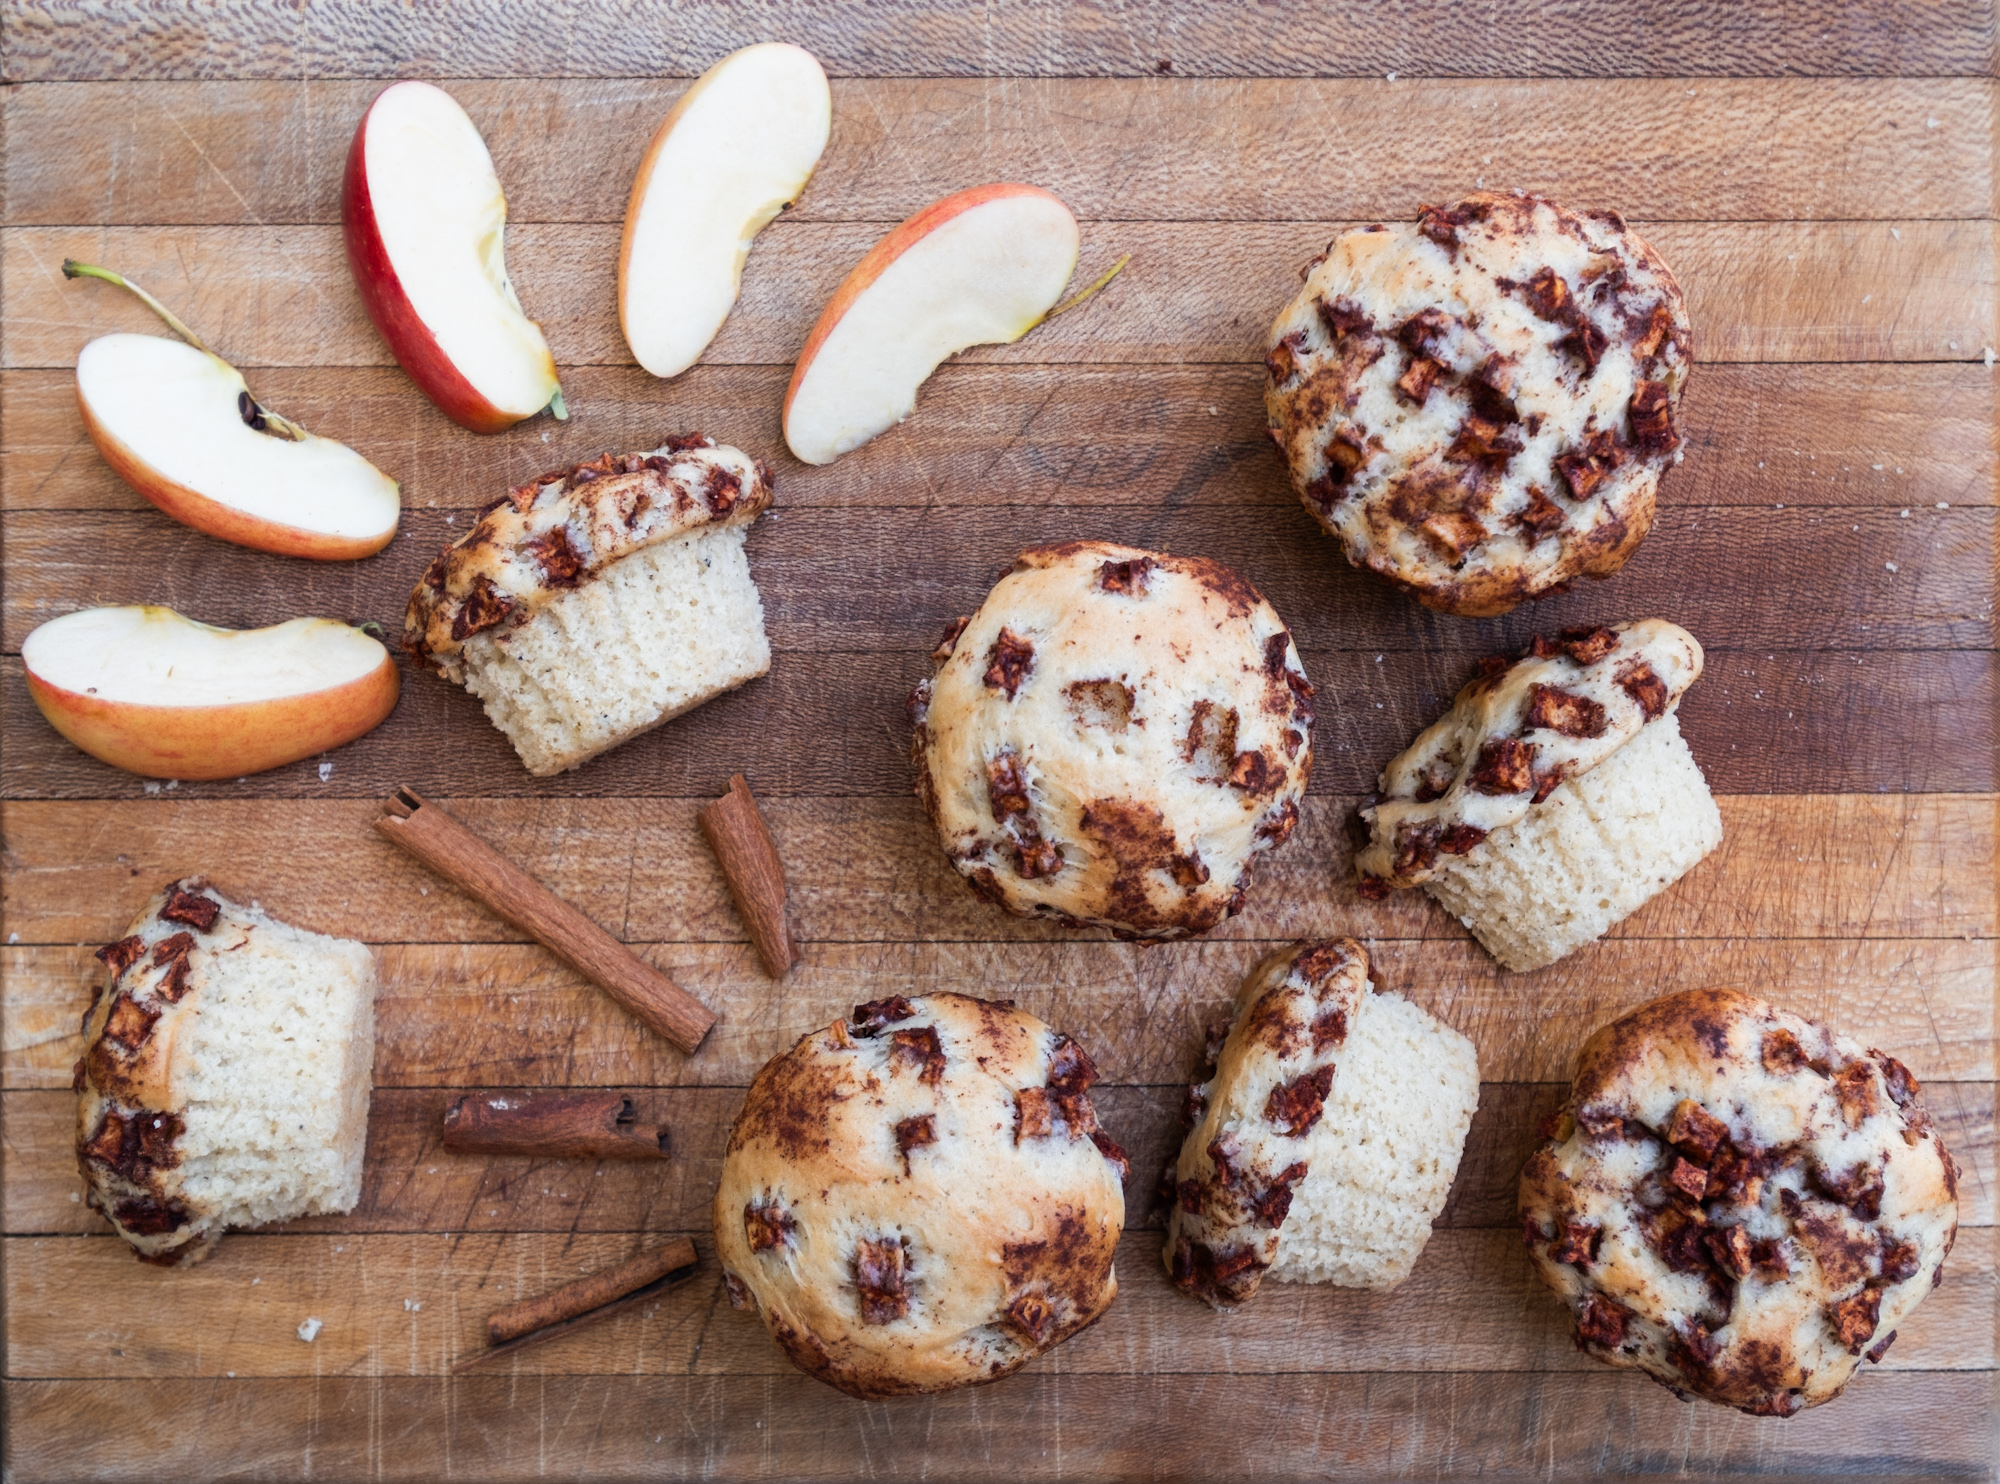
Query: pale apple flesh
{"type": "Point", "coordinates": [425, 224]}
{"type": "Point", "coordinates": [981, 267]}
{"type": "Point", "coordinates": [736, 150]}
{"type": "Point", "coordinates": [171, 420]}
{"type": "Point", "coordinates": [146, 690]}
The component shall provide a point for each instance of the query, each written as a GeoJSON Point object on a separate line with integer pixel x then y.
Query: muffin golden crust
{"type": "Point", "coordinates": [1113, 738]}
{"type": "Point", "coordinates": [1738, 1201]}
{"type": "Point", "coordinates": [1514, 735]}
{"type": "Point", "coordinates": [1480, 403]}
{"type": "Point", "coordinates": [563, 529]}
{"type": "Point", "coordinates": [919, 1197]}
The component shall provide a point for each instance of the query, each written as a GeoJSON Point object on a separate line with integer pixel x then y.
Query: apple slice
{"type": "Point", "coordinates": [177, 424]}
{"type": "Point", "coordinates": [981, 267]}
{"type": "Point", "coordinates": [425, 223]}
{"type": "Point", "coordinates": [737, 149]}
{"type": "Point", "coordinates": [154, 693]}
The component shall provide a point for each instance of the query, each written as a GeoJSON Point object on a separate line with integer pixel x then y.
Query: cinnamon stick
{"type": "Point", "coordinates": [562, 1125]}
{"type": "Point", "coordinates": [468, 862]}
{"type": "Point", "coordinates": [573, 1300]}
{"type": "Point", "coordinates": [736, 832]}
{"type": "Point", "coordinates": [677, 1272]}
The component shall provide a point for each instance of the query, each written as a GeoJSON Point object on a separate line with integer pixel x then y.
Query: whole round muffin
{"type": "Point", "coordinates": [920, 1197]}
{"type": "Point", "coordinates": [1113, 738]}
{"type": "Point", "coordinates": [1480, 403]}
{"type": "Point", "coordinates": [1738, 1201]}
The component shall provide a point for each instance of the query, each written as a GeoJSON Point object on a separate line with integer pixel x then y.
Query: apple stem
{"type": "Point", "coordinates": [73, 269]}
{"type": "Point", "coordinates": [1076, 299]}
{"type": "Point", "coordinates": [558, 408]}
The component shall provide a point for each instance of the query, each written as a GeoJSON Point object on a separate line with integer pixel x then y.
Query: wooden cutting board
{"type": "Point", "coordinates": [1823, 183]}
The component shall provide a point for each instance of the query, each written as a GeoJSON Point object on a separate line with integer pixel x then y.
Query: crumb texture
{"type": "Point", "coordinates": [1383, 1159]}
{"type": "Point", "coordinates": [656, 634]}
{"type": "Point", "coordinates": [1588, 856]}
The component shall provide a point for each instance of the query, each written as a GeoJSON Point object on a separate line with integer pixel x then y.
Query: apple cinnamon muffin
{"type": "Point", "coordinates": [1555, 798]}
{"type": "Point", "coordinates": [1324, 1137]}
{"type": "Point", "coordinates": [592, 605]}
{"type": "Point", "coordinates": [225, 1074]}
{"type": "Point", "coordinates": [1113, 739]}
{"type": "Point", "coordinates": [1480, 403]}
{"type": "Point", "coordinates": [1738, 1201]}
{"type": "Point", "coordinates": [919, 1197]}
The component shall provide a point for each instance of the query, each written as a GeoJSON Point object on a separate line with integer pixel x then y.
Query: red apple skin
{"type": "Point", "coordinates": [192, 508]}
{"type": "Point", "coordinates": [200, 743]}
{"type": "Point", "coordinates": [409, 338]}
{"type": "Point", "coordinates": [885, 252]}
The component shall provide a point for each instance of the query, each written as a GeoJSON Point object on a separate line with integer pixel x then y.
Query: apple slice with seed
{"type": "Point", "coordinates": [179, 425]}
{"type": "Point", "coordinates": [737, 149]}
{"type": "Point", "coordinates": [425, 223]}
{"type": "Point", "coordinates": [982, 267]}
{"type": "Point", "coordinates": [146, 690]}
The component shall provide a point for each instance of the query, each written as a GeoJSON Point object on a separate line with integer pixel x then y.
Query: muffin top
{"type": "Point", "coordinates": [919, 1197]}
{"type": "Point", "coordinates": [1246, 1149]}
{"type": "Point", "coordinates": [1513, 735]}
{"type": "Point", "coordinates": [1738, 1201]}
{"type": "Point", "coordinates": [564, 528]}
{"type": "Point", "coordinates": [1480, 403]}
{"type": "Point", "coordinates": [1113, 738]}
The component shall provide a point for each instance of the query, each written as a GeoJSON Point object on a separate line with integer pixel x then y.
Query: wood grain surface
{"type": "Point", "coordinates": [412, 1185]}
{"type": "Point", "coordinates": [68, 39]}
{"type": "Point", "coordinates": [1147, 436]}
{"type": "Point", "coordinates": [1253, 151]}
{"type": "Point", "coordinates": [1906, 289]}
{"type": "Point", "coordinates": [1822, 178]}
